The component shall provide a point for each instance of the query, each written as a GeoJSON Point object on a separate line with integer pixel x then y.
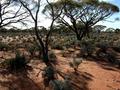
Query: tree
{"type": "Point", "coordinates": [43, 42]}
{"type": "Point", "coordinates": [85, 12]}
{"type": "Point", "coordinates": [10, 13]}
{"type": "Point", "coordinates": [109, 30]}
{"type": "Point", "coordinates": [98, 28]}
{"type": "Point", "coordinates": [33, 8]}
{"type": "Point", "coordinates": [117, 30]}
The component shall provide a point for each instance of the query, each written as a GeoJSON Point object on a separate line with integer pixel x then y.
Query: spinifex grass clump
{"type": "Point", "coordinates": [103, 46]}
{"type": "Point", "coordinates": [15, 64]}
{"type": "Point", "coordinates": [87, 47]}
{"type": "Point", "coordinates": [52, 57]}
{"type": "Point", "coordinates": [61, 85]}
{"type": "Point", "coordinates": [51, 79]}
{"type": "Point", "coordinates": [57, 45]}
{"type": "Point", "coordinates": [32, 49]}
{"type": "Point", "coordinates": [4, 46]}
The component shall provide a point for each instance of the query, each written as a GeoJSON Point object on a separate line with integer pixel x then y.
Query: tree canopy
{"type": "Point", "coordinates": [86, 12]}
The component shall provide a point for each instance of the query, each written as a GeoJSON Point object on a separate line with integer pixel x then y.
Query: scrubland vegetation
{"type": "Point", "coordinates": [72, 54]}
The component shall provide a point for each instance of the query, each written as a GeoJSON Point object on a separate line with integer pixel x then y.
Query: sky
{"type": "Point", "coordinates": [110, 23]}
{"type": "Point", "coordinates": [114, 24]}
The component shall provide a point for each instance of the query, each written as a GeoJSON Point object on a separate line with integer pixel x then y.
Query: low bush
{"type": "Point", "coordinates": [87, 47]}
{"type": "Point", "coordinates": [61, 85]}
{"type": "Point", "coordinates": [32, 49]}
{"type": "Point", "coordinates": [75, 63]}
{"type": "Point", "coordinates": [57, 46]}
{"type": "Point", "coordinates": [117, 49]}
{"type": "Point", "coordinates": [49, 74]}
{"type": "Point", "coordinates": [15, 64]}
{"type": "Point", "coordinates": [52, 57]}
{"type": "Point", "coordinates": [65, 53]}
{"type": "Point", "coordinates": [4, 46]}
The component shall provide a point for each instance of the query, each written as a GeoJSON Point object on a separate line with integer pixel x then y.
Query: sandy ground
{"type": "Point", "coordinates": [92, 75]}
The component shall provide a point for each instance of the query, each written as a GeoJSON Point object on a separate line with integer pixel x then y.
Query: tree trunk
{"type": "Point", "coordinates": [45, 57]}
{"type": "Point", "coordinates": [78, 37]}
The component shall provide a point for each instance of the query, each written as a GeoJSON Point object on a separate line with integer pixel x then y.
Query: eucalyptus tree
{"type": "Point", "coordinates": [11, 13]}
{"type": "Point", "coordinates": [33, 7]}
{"type": "Point", "coordinates": [84, 12]}
{"type": "Point", "coordinates": [96, 11]}
{"type": "Point", "coordinates": [43, 40]}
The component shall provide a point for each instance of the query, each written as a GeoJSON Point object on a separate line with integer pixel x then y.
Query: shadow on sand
{"type": "Point", "coordinates": [17, 81]}
{"type": "Point", "coordinates": [80, 80]}
{"type": "Point", "coordinates": [105, 64]}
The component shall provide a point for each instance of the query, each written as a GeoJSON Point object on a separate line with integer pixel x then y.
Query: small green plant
{"type": "Point", "coordinates": [14, 64]}
{"type": "Point", "coordinates": [52, 57]}
{"type": "Point", "coordinates": [87, 47]}
{"type": "Point", "coordinates": [32, 49]}
{"type": "Point", "coordinates": [57, 46]}
{"type": "Point", "coordinates": [50, 79]}
{"type": "Point", "coordinates": [48, 75]}
{"type": "Point", "coordinates": [75, 63]}
{"type": "Point", "coordinates": [61, 85]}
{"type": "Point", "coordinates": [4, 46]}
{"type": "Point", "coordinates": [65, 53]}
{"type": "Point", "coordinates": [111, 57]}
{"type": "Point", "coordinates": [103, 46]}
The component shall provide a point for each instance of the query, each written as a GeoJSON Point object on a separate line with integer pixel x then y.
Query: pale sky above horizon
{"type": "Point", "coordinates": [46, 22]}
{"type": "Point", "coordinates": [114, 24]}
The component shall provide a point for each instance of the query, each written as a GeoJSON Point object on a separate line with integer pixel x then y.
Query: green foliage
{"type": "Point", "coordinates": [15, 64]}
{"type": "Point", "coordinates": [117, 49]}
{"type": "Point", "coordinates": [52, 57]}
{"type": "Point", "coordinates": [61, 85]}
{"type": "Point", "coordinates": [87, 47]}
{"type": "Point", "coordinates": [4, 46]}
{"type": "Point", "coordinates": [56, 85]}
{"type": "Point", "coordinates": [49, 72]}
{"type": "Point", "coordinates": [57, 46]}
{"type": "Point", "coordinates": [75, 63]}
{"type": "Point", "coordinates": [64, 42]}
{"type": "Point", "coordinates": [117, 30]}
{"type": "Point", "coordinates": [108, 6]}
{"type": "Point", "coordinates": [103, 45]}
{"type": "Point", "coordinates": [49, 79]}
{"type": "Point", "coordinates": [32, 49]}
{"type": "Point", "coordinates": [111, 57]}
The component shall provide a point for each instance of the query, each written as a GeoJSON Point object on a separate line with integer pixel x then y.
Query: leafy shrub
{"type": "Point", "coordinates": [14, 64]}
{"type": "Point", "coordinates": [56, 85]}
{"type": "Point", "coordinates": [32, 49]}
{"type": "Point", "coordinates": [116, 46]}
{"type": "Point", "coordinates": [87, 47]}
{"type": "Point", "coordinates": [48, 75]}
{"type": "Point", "coordinates": [75, 63]}
{"type": "Point", "coordinates": [103, 46]}
{"type": "Point", "coordinates": [65, 53]}
{"type": "Point", "coordinates": [4, 46]}
{"type": "Point", "coordinates": [57, 46]}
{"type": "Point", "coordinates": [117, 49]}
{"type": "Point", "coordinates": [111, 57]}
{"type": "Point", "coordinates": [61, 85]}
{"type": "Point", "coordinates": [52, 57]}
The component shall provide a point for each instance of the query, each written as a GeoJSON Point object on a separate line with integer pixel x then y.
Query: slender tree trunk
{"type": "Point", "coordinates": [87, 31]}
{"type": "Point", "coordinates": [44, 50]}
{"type": "Point", "coordinates": [78, 37]}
